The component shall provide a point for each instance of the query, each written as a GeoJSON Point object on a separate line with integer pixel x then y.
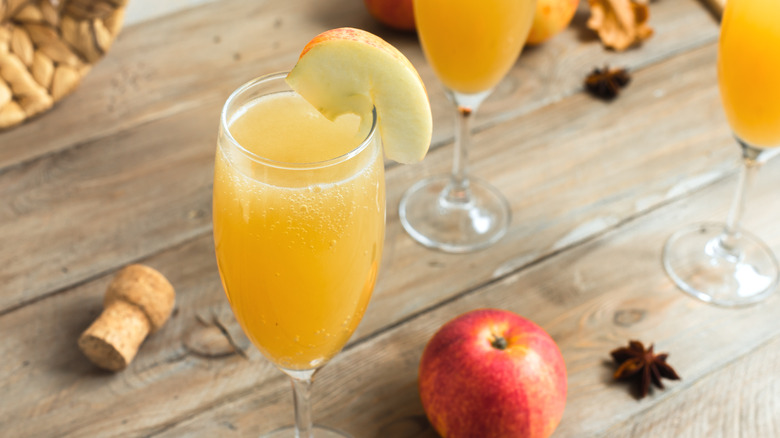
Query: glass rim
{"type": "Point", "coordinates": [283, 164]}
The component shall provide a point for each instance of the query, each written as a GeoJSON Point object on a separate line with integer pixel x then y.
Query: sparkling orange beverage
{"type": "Point", "coordinates": [749, 70]}
{"type": "Point", "coordinates": [470, 44]}
{"type": "Point", "coordinates": [298, 246]}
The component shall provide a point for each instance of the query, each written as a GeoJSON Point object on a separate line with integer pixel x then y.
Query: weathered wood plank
{"type": "Point", "coordinates": [739, 400]}
{"type": "Point", "coordinates": [50, 389]}
{"type": "Point", "coordinates": [558, 67]}
{"type": "Point", "coordinates": [591, 173]}
{"type": "Point", "coordinates": [139, 11]}
{"type": "Point", "coordinates": [151, 206]}
{"type": "Point", "coordinates": [582, 300]}
{"type": "Point", "coordinates": [61, 385]}
{"type": "Point", "coordinates": [164, 67]}
{"type": "Point", "coordinates": [88, 210]}
{"type": "Point", "coordinates": [150, 180]}
{"type": "Point", "coordinates": [82, 211]}
{"type": "Point", "coordinates": [575, 172]}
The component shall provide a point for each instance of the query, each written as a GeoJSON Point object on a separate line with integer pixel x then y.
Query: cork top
{"type": "Point", "coordinates": [145, 288]}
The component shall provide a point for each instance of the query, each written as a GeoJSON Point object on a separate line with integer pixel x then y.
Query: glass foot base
{"type": "Point", "coordinates": [700, 266]}
{"type": "Point", "coordinates": [317, 432]}
{"type": "Point", "coordinates": [450, 226]}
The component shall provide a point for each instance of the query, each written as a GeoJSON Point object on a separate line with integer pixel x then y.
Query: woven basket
{"type": "Point", "coordinates": [46, 47]}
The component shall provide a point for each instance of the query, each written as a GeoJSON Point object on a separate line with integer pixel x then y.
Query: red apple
{"type": "Point", "coordinates": [551, 17]}
{"type": "Point", "coordinates": [397, 14]}
{"type": "Point", "coordinates": [491, 373]}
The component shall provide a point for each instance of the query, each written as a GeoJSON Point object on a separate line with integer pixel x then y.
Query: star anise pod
{"type": "Point", "coordinates": [644, 366]}
{"type": "Point", "coordinates": [606, 83]}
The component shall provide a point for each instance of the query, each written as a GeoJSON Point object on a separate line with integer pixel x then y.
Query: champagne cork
{"type": "Point", "coordinates": [137, 302]}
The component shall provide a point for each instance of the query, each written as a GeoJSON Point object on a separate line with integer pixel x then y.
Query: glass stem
{"type": "Point", "coordinates": [750, 165]}
{"type": "Point", "coordinates": [458, 191]}
{"type": "Point", "coordinates": [301, 383]}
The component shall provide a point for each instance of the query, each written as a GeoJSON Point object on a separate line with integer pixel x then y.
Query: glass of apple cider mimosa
{"type": "Point", "coordinates": [299, 221]}
{"type": "Point", "coordinates": [721, 263]}
{"type": "Point", "coordinates": [471, 45]}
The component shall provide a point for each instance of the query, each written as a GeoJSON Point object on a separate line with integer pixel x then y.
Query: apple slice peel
{"type": "Point", "coordinates": [349, 70]}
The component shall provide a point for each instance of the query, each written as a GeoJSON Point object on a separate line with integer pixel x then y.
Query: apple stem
{"type": "Point", "coordinates": [498, 342]}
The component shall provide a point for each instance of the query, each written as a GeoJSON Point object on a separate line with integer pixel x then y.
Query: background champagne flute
{"type": "Point", "coordinates": [471, 46]}
{"type": "Point", "coordinates": [721, 263]}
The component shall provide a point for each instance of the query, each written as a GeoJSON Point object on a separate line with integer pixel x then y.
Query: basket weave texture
{"type": "Point", "coordinates": [46, 47]}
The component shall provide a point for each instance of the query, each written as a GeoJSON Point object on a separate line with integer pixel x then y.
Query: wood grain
{"type": "Point", "coordinates": [80, 212]}
{"type": "Point", "coordinates": [51, 389]}
{"type": "Point", "coordinates": [581, 299]}
{"type": "Point", "coordinates": [99, 205]}
{"type": "Point", "coordinates": [121, 172]}
{"type": "Point", "coordinates": [139, 11]}
{"type": "Point", "coordinates": [717, 407]}
{"type": "Point", "coordinates": [585, 183]}
{"type": "Point", "coordinates": [149, 207]}
{"type": "Point", "coordinates": [146, 78]}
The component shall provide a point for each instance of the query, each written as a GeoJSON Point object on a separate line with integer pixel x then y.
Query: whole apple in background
{"type": "Point", "coordinates": [491, 373]}
{"type": "Point", "coordinates": [552, 16]}
{"type": "Point", "coordinates": [397, 14]}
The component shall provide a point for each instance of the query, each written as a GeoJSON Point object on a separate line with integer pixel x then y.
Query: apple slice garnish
{"type": "Point", "coordinates": [349, 70]}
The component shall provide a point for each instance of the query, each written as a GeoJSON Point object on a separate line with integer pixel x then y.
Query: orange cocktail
{"type": "Point", "coordinates": [749, 70]}
{"type": "Point", "coordinates": [723, 263]}
{"type": "Point", "coordinates": [298, 245]}
{"type": "Point", "coordinates": [471, 45]}
{"type": "Point", "coordinates": [299, 198]}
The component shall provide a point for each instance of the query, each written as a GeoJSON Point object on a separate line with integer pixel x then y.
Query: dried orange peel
{"type": "Point", "coordinates": [620, 23]}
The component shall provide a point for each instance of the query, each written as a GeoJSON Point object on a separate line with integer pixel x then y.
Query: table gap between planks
{"type": "Point", "coordinates": [120, 172]}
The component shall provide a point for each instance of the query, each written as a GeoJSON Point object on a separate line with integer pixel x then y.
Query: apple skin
{"type": "Point", "coordinates": [551, 17]}
{"type": "Point", "coordinates": [471, 388]}
{"type": "Point", "coordinates": [397, 14]}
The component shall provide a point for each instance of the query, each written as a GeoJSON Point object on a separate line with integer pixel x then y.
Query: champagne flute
{"type": "Point", "coordinates": [722, 263]}
{"type": "Point", "coordinates": [299, 222]}
{"type": "Point", "coordinates": [471, 46]}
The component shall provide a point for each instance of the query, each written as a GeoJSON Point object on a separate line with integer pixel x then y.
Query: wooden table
{"type": "Point", "coordinates": [120, 172]}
